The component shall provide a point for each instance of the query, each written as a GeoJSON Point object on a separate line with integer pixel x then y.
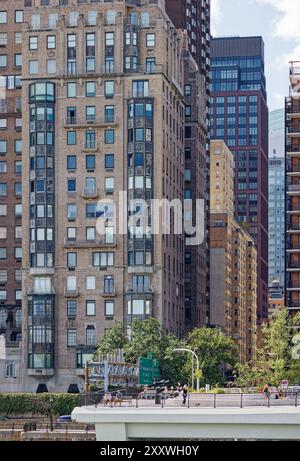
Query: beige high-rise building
{"type": "Point", "coordinates": [103, 113]}
{"type": "Point", "coordinates": [221, 178]}
{"type": "Point", "coordinates": [233, 260]}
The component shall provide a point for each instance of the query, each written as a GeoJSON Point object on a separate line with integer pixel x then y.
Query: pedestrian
{"type": "Point", "coordinates": [266, 390]}
{"type": "Point", "coordinates": [184, 395]}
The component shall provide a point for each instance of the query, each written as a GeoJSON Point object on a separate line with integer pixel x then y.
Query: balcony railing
{"type": "Point", "coordinates": [90, 192]}
{"type": "Point", "coordinates": [75, 121]}
{"type": "Point", "coordinates": [293, 265]}
{"type": "Point", "coordinates": [71, 293]}
{"type": "Point", "coordinates": [293, 188]}
{"type": "Point", "coordinates": [97, 243]}
{"type": "Point", "coordinates": [294, 305]}
{"type": "Point", "coordinates": [100, 70]}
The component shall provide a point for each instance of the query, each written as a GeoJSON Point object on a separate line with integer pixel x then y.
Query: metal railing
{"type": "Point", "coordinates": [167, 400]}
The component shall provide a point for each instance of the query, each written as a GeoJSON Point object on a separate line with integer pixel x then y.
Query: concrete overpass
{"type": "Point", "coordinates": [121, 424]}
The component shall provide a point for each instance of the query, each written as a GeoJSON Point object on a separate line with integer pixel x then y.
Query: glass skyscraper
{"type": "Point", "coordinates": [239, 116]}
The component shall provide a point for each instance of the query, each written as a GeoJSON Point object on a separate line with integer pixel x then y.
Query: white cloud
{"type": "Point", "coordinates": [287, 21]}
{"type": "Point", "coordinates": [215, 15]}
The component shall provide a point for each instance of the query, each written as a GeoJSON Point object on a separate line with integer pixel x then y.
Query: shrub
{"type": "Point", "coordinates": [19, 404]}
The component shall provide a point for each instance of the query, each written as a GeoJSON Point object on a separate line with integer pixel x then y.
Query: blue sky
{"type": "Point", "coordinates": [278, 21]}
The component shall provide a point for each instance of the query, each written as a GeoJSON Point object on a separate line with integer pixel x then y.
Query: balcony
{"type": "Point", "coordinates": [293, 151]}
{"type": "Point", "coordinates": [108, 293]}
{"type": "Point", "coordinates": [97, 243]}
{"type": "Point", "coordinates": [293, 249]}
{"type": "Point", "coordinates": [90, 192]}
{"type": "Point", "coordinates": [294, 71]}
{"type": "Point", "coordinates": [74, 293]}
{"type": "Point", "coordinates": [293, 266]}
{"type": "Point", "coordinates": [76, 122]}
{"type": "Point", "coordinates": [292, 305]}
{"type": "Point", "coordinates": [98, 71]}
{"type": "Point", "coordinates": [293, 169]}
{"type": "Point", "coordinates": [293, 189]}
{"type": "Point", "coordinates": [293, 132]}
{"type": "Point", "coordinates": [90, 146]}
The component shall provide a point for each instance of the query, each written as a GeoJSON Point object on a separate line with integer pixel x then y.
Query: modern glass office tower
{"type": "Point", "coordinates": [277, 220]}
{"type": "Point", "coordinates": [239, 116]}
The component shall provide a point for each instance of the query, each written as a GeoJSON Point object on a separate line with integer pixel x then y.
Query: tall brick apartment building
{"type": "Point", "coordinates": [11, 24]}
{"type": "Point", "coordinates": [193, 16]}
{"type": "Point", "coordinates": [104, 108]}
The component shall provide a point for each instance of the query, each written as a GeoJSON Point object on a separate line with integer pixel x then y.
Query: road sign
{"type": "Point", "coordinates": [149, 370]}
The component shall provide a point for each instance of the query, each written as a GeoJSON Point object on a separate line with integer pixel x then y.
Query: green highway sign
{"type": "Point", "coordinates": [149, 369]}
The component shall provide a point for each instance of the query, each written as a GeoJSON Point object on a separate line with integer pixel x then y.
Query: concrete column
{"type": "Point", "coordinates": [111, 432]}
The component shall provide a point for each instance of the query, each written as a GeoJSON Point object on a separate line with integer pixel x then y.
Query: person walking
{"type": "Point", "coordinates": [184, 395]}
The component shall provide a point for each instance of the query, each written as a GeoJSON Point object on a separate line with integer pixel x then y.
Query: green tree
{"type": "Point", "coordinates": [146, 336]}
{"type": "Point", "coordinates": [112, 340]}
{"type": "Point", "coordinates": [275, 360]}
{"type": "Point", "coordinates": [275, 356]}
{"type": "Point", "coordinates": [173, 363]}
{"type": "Point", "coordinates": [214, 350]}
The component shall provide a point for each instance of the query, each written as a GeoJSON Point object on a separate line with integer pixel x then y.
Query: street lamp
{"type": "Point", "coordinates": [197, 361]}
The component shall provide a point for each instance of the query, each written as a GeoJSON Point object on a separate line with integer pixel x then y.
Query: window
{"type": "Point", "coordinates": [71, 138]}
{"type": "Point", "coordinates": [71, 185]}
{"type": "Point", "coordinates": [10, 370]}
{"type": "Point", "coordinates": [33, 43]}
{"type": "Point", "coordinates": [71, 162]}
{"type": "Point", "coordinates": [3, 60]}
{"type": "Point", "coordinates": [111, 17]}
{"type": "Point", "coordinates": [90, 162]}
{"type": "Point", "coordinates": [109, 136]}
{"type": "Point", "coordinates": [187, 90]}
{"type": "Point", "coordinates": [18, 232]}
{"type": "Point", "coordinates": [90, 89]}
{"type": "Point", "coordinates": [71, 284]}
{"type": "Point", "coordinates": [51, 42]}
{"type": "Point", "coordinates": [72, 337]}
{"type": "Point", "coordinates": [72, 212]}
{"type": "Point", "coordinates": [109, 88]}
{"type": "Point", "coordinates": [90, 336]}
{"type": "Point", "coordinates": [3, 295]}
{"type": "Point", "coordinates": [18, 189]}
{"type": "Point", "coordinates": [33, 67]}
{"type": "Point", "coordinates": [109, 161]}
{"type": "Point", "coordinates": [109, 184]}
{"type": "Point", "coordinates": [18, 253]}
{"type": "Point", "coordinates": [71, 233]}
{"type": "Point", "coordinates": [18, 167]}
{"type": "Point", "coordinates": [3, 189]}
{"type": "Point", "coordinates": [90, 308]}
{"type": "Point", "coordinates": [103, 259]}
{"type": "Point", "coordinates": [109, 308]}
{"type": "Point", "coordinates": [3, 210]}
{"type": "Point", "coordinates": [3, 167]}
{"type": "Point", "coordinates": [3, 275]}
{"type": "Point", "coordinates": [3, 253]}
{"type": "Point", "coordinates": [140, 88]}
{"type": "Point", "coordinates": [90, 139]}
{"type": "Point", "coordinates": [90, 113]}
{"type": "Point", "coordinates": [150, 40]}
{"type": "Point", "coordinates": [72, 308]}
{"type": "Point", "coordinates": [3, 17]}
{"type": "Point", "coordinates": [3, 233]}
{"type": "Point", "coordinates": [109, 114]}
{"type": "Point", "coordinates": [150, 65]}
{"type": "Point", "coordinates": [42, 285]}
{"type": "Point", "coordinates": [18, 38]}
{"type": "Point", "coordinates": [109, 284]}
{"type": "Point", "coordinates": [51, 66]}
{"type": "Point", "coordinates": [18, 146]}
{"type": "Point", "coordinates": [3, 39]}
{"type": "Point", "coordinates": [71, 90]}
{"type": "Point", "coordinates": [3, 147]}
{"type": "Point", "coordinates": [18, 16]}
{"type": "Point", "coordinates": [72, 260]}
{"type": "Point", "coordinates": [90, 233]}
{"type": "Point", "coordinates": [90, 283]}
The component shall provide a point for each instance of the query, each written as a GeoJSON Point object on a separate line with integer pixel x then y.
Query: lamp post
{"type": "Point", "coordinates": [197, 361]}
